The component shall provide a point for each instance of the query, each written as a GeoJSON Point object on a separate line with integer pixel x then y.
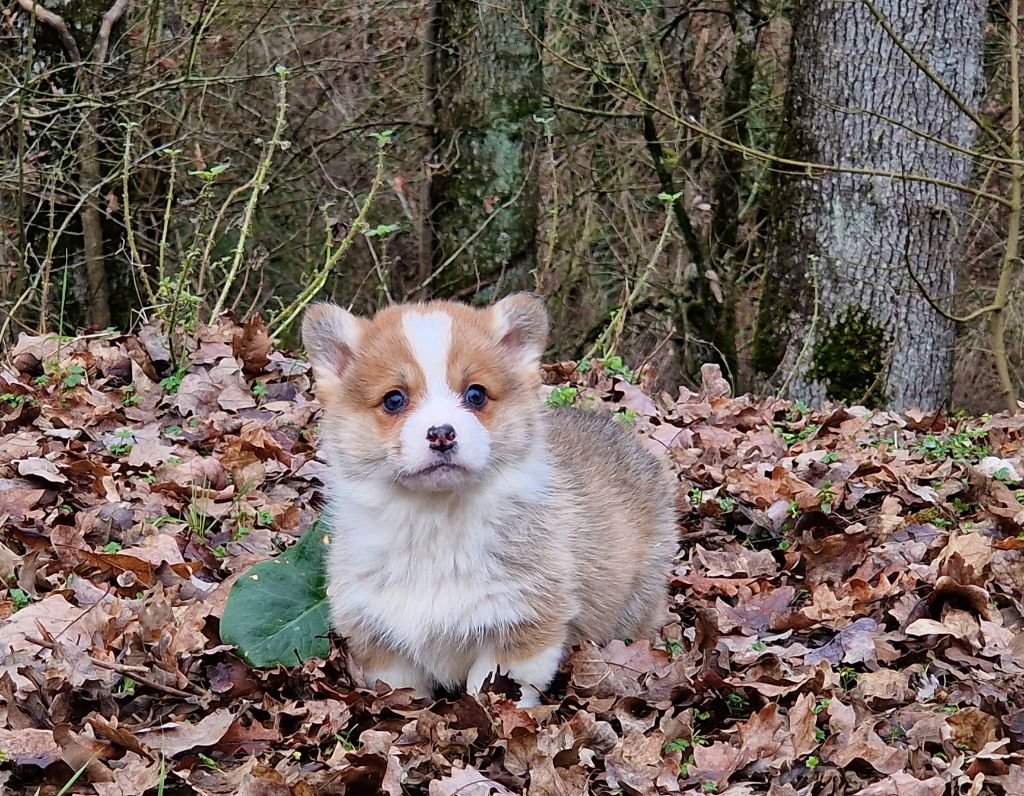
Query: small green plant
{"type": "Point", "coordinates": [820, 705]}
{"type": "Point", "coordinates": [966, 445]}
{"type": "Point", "coordinates": [758, 646]}
{"type": "Point", "coordinates": [799, 410]}
{"type": "Point", "coordinates": [673, 648]}
{"type": "Point", "coordinates": [963, 507]}
{"type": "Point", "coordinates": [627, 417]}
{"type": "Point", "coordinates": [727, 503]}
{"type": "Point", "coordinates": [1003, 475]}
{"type": "Point", "coordinates": [259, 389]}
{"type": "Point", "coordinates": [344, 739]}
{"type": "Point", "coordinates": [678, 745]}
{"type": "Point", "coordinates": [112, 547]}
{"type": "Point", "coordinates": [208, 761]}
{"type": "Point", "coordinates": [812, 762]}
{"type": "Point", "coordinates": [122, 445]}
{"type": "Point", "coordinates": [949, 710]}
{"type": "Point", "coordinates": [172, 383]}
{"type": "Point", "coordinates": [266, 519]}
{"type": "Point", "coordinates": [19, 599]}
{"type": "Point", "coordinates": [792, 437]}
{"type": "Point", "coordinates": [382, 230]}
{"type": "Point", "coordinates": [614, 366]}
{"type": "Point", "coordinates": [12, 399]}
{"type": "Point", "coordinates": [847, 676]}
{"type": "Point", "coordinates": [126, 686]}
{"type": "Point", "coordinates": [708, 787]}
{"type": "Point", "coordinates": [198, 523]}
{"type": "Point", "coordinates": [73, 375]}
{"type": "Point", "coordinates": [562, 397]}
{"type": "Point", "coordinates": [695, 496]}
{"type": "Point", "coordinates": [129, 396]}
{"type": "Point", "coordinates": [738, 704]}
{"type": "Point", "coordinates": [820, 735]}
{"type": "Point", "coordinates": [830, 457]}
{"type": "Point", "coordinates": [826, 497]}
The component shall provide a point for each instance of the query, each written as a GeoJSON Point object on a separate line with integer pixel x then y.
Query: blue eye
{"type": "Point", "coordinates": [394, 401]}
{"type": "Point", "coordinates": [475, 396]}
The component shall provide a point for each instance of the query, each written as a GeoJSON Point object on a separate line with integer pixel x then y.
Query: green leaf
{"type": "Point", "coordinates": [277, 612]}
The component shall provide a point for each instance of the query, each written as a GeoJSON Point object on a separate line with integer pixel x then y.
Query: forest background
{"type": "Point", "coordinates": [821, 197]}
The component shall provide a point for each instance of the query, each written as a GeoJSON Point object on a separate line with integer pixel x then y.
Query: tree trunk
{"type": "Point", "coordinates": [98, 301]}
{"type": "Point", "coordinates": [841, 317]}
{"type": "Point", "coordinates": [487, 68]}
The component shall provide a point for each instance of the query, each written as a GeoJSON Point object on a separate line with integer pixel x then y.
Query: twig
{"type": "Point", "coordinates": [258, 180]}
{"type": "Point", "coordinates": [760, 154]}
{"type": "Point", "coordinates": [618, 321]}
{"type": "Point", "coordinates": [162, 248]}
{"type": "Point", "coordinates": [135, 672]}
{"type": "Point", "coordinates": [287, 316]}
{"type": "Point", "coordinates": [1013, 222]}
{"type": "Point", "coordinates": [126, 211]}
{"type": "Point", "coordinates": [55, 21]}
{"type": "Point", "coordinates": [690, 237]}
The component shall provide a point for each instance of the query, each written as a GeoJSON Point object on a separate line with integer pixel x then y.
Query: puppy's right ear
{"type": "Point", "coordinates": [331, 337]}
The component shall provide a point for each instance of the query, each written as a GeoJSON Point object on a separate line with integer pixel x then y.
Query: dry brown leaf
{"type": "Point", "coordinates": [466, 782]}
{"type": "Point", "coordinates": [175, 737]}
{"type": "Point", "coordinates": [903, 784]}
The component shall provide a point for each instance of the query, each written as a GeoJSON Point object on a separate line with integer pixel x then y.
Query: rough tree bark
{"type": "Point", "coordinates": [840, 315]}
{"type": "Point", "coordinates": [485, 65]}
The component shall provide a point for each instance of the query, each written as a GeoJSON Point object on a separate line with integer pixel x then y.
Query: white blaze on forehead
{"type": "Point", "coordinates": [430, 338]}
{"type": "Point", "coordinates": [429, 335]}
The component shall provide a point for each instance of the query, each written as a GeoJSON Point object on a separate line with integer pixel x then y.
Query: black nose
{"type": "Point", "coordinates": [441, 438]}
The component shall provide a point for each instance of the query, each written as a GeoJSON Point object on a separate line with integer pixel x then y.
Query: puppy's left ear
{"type": "Point", "coordinates": [522, 323]}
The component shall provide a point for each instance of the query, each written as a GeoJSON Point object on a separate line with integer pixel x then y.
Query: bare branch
{"type": "Point", "coordinates": [55, 21]}
{"type": "Point", "coordinates": [110, 18]}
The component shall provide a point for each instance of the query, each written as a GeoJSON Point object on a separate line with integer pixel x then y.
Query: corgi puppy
{"type": "Point", "coordinates": [474, 531]}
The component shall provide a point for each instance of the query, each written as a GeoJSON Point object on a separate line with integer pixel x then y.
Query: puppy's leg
{"type": "Point", "coordinates": [532, 665]}
{"type": "Point", "coordinates": [396, 671]}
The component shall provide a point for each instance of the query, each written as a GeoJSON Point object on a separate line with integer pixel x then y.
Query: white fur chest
{"type": "Point", "coordinates": [430, 583]}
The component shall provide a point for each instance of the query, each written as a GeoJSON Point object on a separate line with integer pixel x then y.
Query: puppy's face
{"type": "Point", "coordinates": [429, 397]}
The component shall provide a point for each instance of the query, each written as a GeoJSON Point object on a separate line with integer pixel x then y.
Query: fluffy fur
{"type": "Point", "coordinates": [536, 530]}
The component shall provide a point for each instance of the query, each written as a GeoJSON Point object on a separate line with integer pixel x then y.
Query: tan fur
{"type": "Point", "coordinates": [567, 534]}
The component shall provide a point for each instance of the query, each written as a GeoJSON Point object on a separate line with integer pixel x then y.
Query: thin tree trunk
{"type": "Point", "coordinates": [98, 300]}
{"type": "Point", "coordinates": [841, 317]}
{"type": "Point", "coordinates": [484, 196]}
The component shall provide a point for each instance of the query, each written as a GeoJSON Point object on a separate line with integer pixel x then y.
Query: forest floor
{"type": "Point", "coordinates": [847, 598]}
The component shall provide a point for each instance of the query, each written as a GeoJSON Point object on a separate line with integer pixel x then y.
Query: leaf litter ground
{"type": "Point", "coordinates": [847, 598]}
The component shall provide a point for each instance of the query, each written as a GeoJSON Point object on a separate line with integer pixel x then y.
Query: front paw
{"type": "Point", "coordinates": [529, 699]}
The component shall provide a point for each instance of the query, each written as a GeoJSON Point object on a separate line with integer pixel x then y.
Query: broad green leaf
{"type": "Point", "coordinates": [276, 612]}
